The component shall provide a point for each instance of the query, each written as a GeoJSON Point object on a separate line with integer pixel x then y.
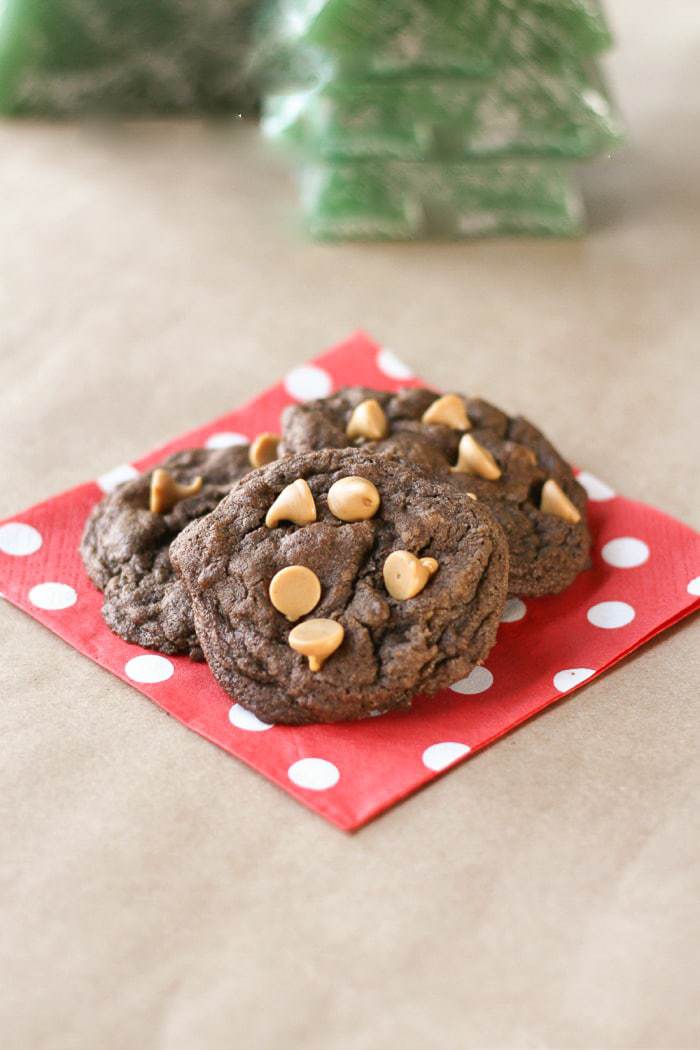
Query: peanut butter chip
{"type": "Point", "coordinates": [295, 591]}
{"type": "Point", "coordinates": [316, 640]}
{"type": "Point", "coordinates": [473, 458]}
{"type": "Point", "coordinates": [263, 449]}
{"type": "Point", "coordinates": [405, 576]}
{"type": "Point", "coordinates": [295, 503]}
{"type": "Point", "coordinates": [555, 501]}
{"type": "Point", "coordinates": [368, 421]}
{"type": "Point", "coordinates": [353, 499]}
{"type": "Point", "coordinates": [450, 411]}
{"type": "Point", "coordinates": [166, 492]}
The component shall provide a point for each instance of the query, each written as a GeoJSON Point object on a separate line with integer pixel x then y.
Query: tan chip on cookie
{"type": "Point", "coordinates": [264, 449]}
{"type": "Point", "coordinates": [449, 411]}
{"type": "Point", "coordinates": [353, 499]}
{"type": "Point", "coordinates": [166, 492]}
{"type": "Point", "coordinates": [405, 576]}
{"type": "Point", "coordinates": [316, 640]}
{"type": "Point", "coordinates": [473, 458]}
{"type": "Point", "coordinates": [295, 503]}
{"type": "Point", "coordinates": [295, 591]}
{"type": "Point", "coordinates": [368, 421]}
{"type": "Point", "coordinates": [555, 501]}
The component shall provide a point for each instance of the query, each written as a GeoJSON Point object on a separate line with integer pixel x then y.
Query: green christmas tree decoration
{"type": "Point", "coordinates": [523, 110]}
{"type": "Point", "coordinates": [437, 117]}
{"type": "Point", "coordinates": [394, 200]}
{"type": "Point", "coordinates": [470, 37]}
{"type": "Point", "coordinates": [74, 57]}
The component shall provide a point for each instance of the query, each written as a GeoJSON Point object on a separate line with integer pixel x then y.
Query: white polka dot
{"type": "Point", "coordinates": [316, 774]}
{"type": "Point", "coordinates": [393, 366]}
{"type": "Point", "coordinates": [242, 719]}
{"type": "Point", "coordinates": [572, 676]}
{"type": "Point", "coordinates": [597, 490]}
{"type": "Point", "coordinates": [307, 382]}
{"type": "Point", "coordinates": [514, 610]}
{"type": "Point", "coordinates": [149, 669]}
{"type": "Point", "coordinates": [611, 614]}
{"type": "Point", "coordinates": [52, 596]}
{"type": "Point", "coordinates": [478, 681]}
{"type": "Point", "coordinates": [440, 756]}
{"type": "Point", "coordinates": [19, 539]}
{"type": "Point", "coordinates": [626, 552]}
{"type": "Point", "coordinates": [226, 439]}
{"type": "Point", "coordinates": [124, 472]}
{"type": "Point", "coordinates": [694, 587]}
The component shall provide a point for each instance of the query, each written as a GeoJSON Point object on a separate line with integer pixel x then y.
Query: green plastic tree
{"type": "Point", "coordinates": [68, 57]}
{"type": "Point", "coordinates": [457, 117]}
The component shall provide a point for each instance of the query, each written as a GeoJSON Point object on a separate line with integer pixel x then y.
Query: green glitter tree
{"type": "Point", "coordinates": [449, 117]}
{"type": "Point", "coordinates": [75, 57]}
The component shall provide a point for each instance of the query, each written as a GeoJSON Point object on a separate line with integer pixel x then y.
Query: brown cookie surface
{"type": "Point", "coordinates": [125, 549]}
{"type": "Point", "coordinates": [547, 550]}
{"type": "Point", "coordinates": [449, 569]}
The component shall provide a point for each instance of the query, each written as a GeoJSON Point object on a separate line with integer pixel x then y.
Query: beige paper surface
{"type": "Point", "coordinates": [157, 893]}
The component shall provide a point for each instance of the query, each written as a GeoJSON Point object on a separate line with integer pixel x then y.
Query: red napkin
{"type": "Point", "coordinates": [645, 577]}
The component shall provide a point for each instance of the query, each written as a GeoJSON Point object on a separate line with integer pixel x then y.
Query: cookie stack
{"type": "Point", "coordinates": [335, 571]}
{"type": "Point", "coordinates": [454, 118]}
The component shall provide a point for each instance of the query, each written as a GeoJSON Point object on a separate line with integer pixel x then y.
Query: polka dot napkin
{"type": "Point", "coordinates": [645, 577]}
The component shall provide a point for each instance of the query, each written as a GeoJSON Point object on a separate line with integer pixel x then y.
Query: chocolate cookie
{"type": "Point", "coordinates": [504, 461]}
{"type": "Point", "coordinates": [125, 545]}
{"type": "Point", "coordinates": [337, 584]}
